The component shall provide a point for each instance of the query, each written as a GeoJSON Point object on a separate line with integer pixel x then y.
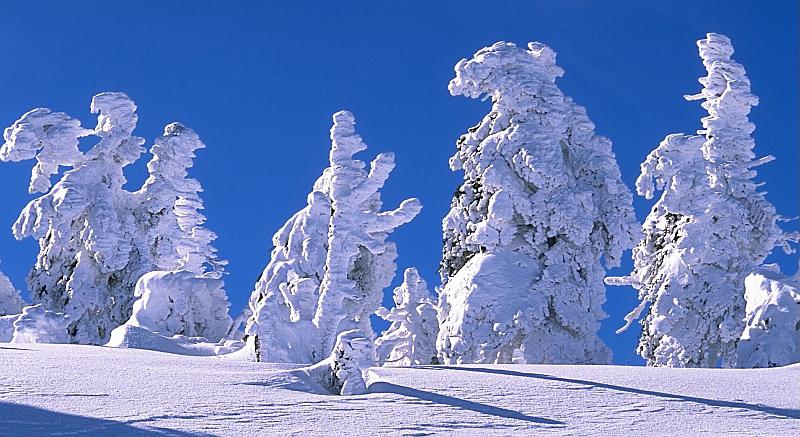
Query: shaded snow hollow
{"type": "Point", "coordinates": [71, 389]}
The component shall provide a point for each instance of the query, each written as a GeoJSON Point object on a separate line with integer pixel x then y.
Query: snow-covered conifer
{"type": "Point", "coordinates": [82, 223]}
{"type": "Point", "coordinates": [331, 260]}
{"type": "Point", "coordinates": [10, 300]}
{"type": "Point", "coordinates": [411, 337]}
{"type": "Point", "coordinates": [360, 261]}
{"type": "Point", "coordinates": [708, 231]}
{"type": "Point", "coordinates": [170, 212]}
{"type": "Point", "coordinates": [541, 205]}
{"type": "Point", "coordinates": [772, 326]}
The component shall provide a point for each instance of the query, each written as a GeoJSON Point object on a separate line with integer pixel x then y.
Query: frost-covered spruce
{"type": "Point", "coordinates": [170, 207]}
{"type": "Point", "coordinates": [411, 337]}
{"type": "Point", "coordinates": [283, 304]}
{"type": "Point", "coordinates": [771, 336]}
{"type": "Point", "coordinates": [10, 300]}
{"type": "Point", "coordinates": [708, 231]}
{"type": "Point", "coordinates": [331, 260]}
{"type": "Point", "coordinates": [541, 205]}
{"type": "Point", "coordinates": [83, 222]}
{"type": "Point", "coordinates": [360, 262]}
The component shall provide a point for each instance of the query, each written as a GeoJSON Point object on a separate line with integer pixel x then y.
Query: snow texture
{"type": "Point", "coordinates": [771, 335]}
{"type": "Point", "coordinates": [541, 205]}
{"type": "Point", "coordinates": [331, 261]}
{"type": "Point", "coordinates": [97, 239]}
{"type": "Point", "coordinates": [411, 337]}
{"type": "Point", "coordinates": [106, 391]}
{"type": "Point", "coordinates": [352, 356]}
{"type": "Point", "coordinates": [38, 325]}
{"type": "Point", "coordinates": [708, 231]}
{"type": "Point", "coordinates": [181, 303]}
{"type": "Point", "coordinates": [10, 300]}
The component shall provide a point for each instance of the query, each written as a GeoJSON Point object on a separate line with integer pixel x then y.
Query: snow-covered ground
{"type": "Point", "coordinates": [68, 390]}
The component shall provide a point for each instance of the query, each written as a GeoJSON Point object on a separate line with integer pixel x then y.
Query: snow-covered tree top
{"type": "Point", "coordinates": [50, 137]}
{"type": "Point", "coordinates": [728, 100]}
{"type": "Point", "coordinates": [115, 123]}
{"type": "Point", "coordinates": [504, 69]}
{"type": "Point", "coordinates": [413, 289]}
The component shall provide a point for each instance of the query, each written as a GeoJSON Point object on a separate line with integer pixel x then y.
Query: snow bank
{"type": "Point", "coordinates": [38, 325]}
{"type": "Point", "coordinates": [772, 333]}
{"type": "Point", "coordinates": [135, 337]}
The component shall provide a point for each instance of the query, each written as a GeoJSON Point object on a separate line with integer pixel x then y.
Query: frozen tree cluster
{"type": "Point", "coordinates": [541, 211]}
{"type": "Point", "coordinates": [540, 216]}
{"type": "Point", "coordinates": [708, 231]}
{"type": "Point", "coordinates": [96, 239]}
{"type": "Point", "coordinates": [771, 335]}
{"type": "Point", "coordinates": [331, 261]}
{"type": "Point", "coordinates": [411, 337]}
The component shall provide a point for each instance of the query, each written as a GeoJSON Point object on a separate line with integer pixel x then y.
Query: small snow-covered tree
{"type": "Point", "coordinates": [331, 260]}
{"type": "Point", "coordinates": [708, 231]}
{"type": "Point", "coordinates": [82, 223]}
{"type": "Point", "coordinates": [411, 337]}
{"type": "Point", "coordinates": [541, 206]}
{"type": "Point", "coordinates": [10, 300]}
{"type": "Point", "coordinates": [170, 207]}
{"type": "Point", "coordinates": [771, 336]}
{"type": "Point", "coordinates": [352, 355]}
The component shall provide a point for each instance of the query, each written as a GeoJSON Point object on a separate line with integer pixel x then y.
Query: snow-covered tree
{"type": "Point", "coordinates": [411, 337]}
{"type": "Point", "coordinates": [708, 231]}
{"type": "Point", "coordinates": [97, 239]}
{"type": "Point", "coordinates": [10, 300]}
{"type": "Point", "coordinates": [181, 303]}
{"type": "Point", "coordinates": [170, 207]}
{"type": "Point", "coordinates": [772, 325]}
{"type": "Point", "coordinates": [542, 204]}
{"type": "Point", "coordinates": [332, 259]}
{"type": "Point", "coordinates": [82, 222]}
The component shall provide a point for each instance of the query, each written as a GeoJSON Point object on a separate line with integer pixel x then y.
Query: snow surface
{"type": "Point", "coordinates": [105, 391]}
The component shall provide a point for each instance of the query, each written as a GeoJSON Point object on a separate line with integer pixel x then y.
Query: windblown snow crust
{"type": "Point", "coordinates": [107, 391]}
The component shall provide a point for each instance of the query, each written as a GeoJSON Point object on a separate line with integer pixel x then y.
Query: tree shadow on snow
{"type": "Point", "coordinates": [785, 412]}
{"type": "Point", "coordinates": [25, 420]}
{"type": "Point", "coordinates": [385, 387]}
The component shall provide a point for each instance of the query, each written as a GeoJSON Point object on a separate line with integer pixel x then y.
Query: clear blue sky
{"type": "Point", "coordinates": [260, 81]}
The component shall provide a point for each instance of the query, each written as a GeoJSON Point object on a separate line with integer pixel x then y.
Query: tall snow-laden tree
{"type": "Point", "coordinates": [541, 210]}
{"type": "Point", "coordinates": [411, 337]}
{"type": "Point", "coordinates": [10, 300]}
{"type": "Point", "coordinates": [82, 223]}
{"type": "Point", "coordinates": [708, 231]}
{"type": "Point", "coordinates": [332, 259]}
{"type": "Point", "coordinates": [170, 207]}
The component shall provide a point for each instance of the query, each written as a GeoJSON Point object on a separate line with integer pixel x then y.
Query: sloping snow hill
{"type": "Point", "coordinates": [75, 390]}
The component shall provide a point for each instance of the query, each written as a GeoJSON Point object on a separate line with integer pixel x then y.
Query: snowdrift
{"type": "Point", "coordinates": [61, 389]}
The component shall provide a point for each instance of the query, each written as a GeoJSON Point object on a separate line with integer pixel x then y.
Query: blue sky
{"type": "Point", "coordinates": [260, 81]}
